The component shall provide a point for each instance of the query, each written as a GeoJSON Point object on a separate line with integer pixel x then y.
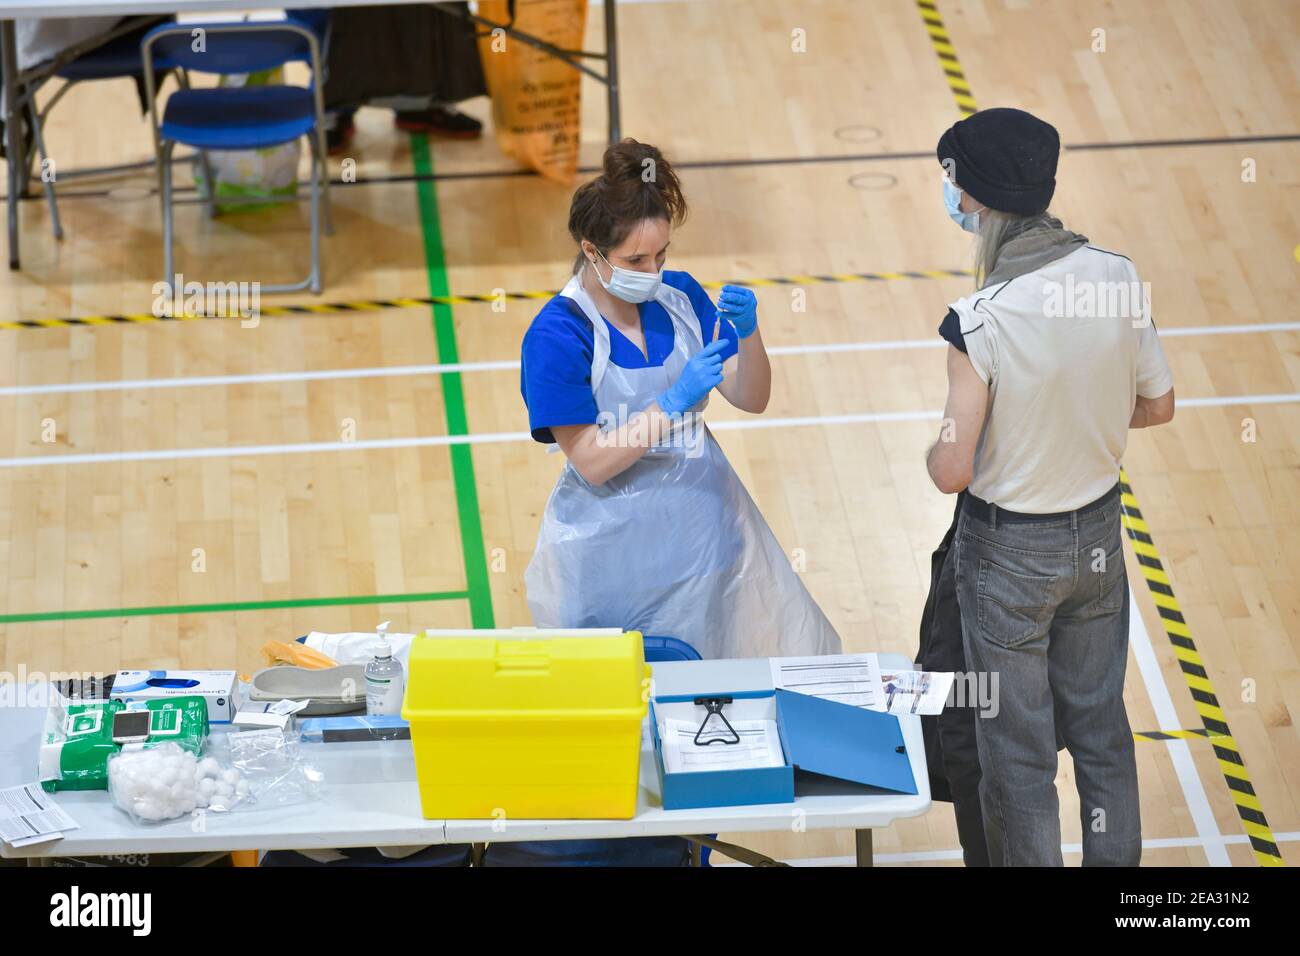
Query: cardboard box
{"type": "Point", "coordinates": [219, 688]}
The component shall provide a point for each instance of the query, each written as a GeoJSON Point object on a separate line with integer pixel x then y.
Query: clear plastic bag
{"type": "Point", "coordinates": [271, 763]}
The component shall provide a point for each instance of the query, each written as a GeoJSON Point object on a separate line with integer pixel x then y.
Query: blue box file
{"type": "Point", "coordinates": [818, 736]}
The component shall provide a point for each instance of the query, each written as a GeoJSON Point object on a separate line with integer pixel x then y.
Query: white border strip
{"type": "Point", "coordinates": [509, 365]}
{"type": "Point", "coordinates": [487, 438]}
{"type": "Point", "coordinates": [936, 856]}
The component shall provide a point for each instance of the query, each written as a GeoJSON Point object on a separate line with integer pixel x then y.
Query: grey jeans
{"type": "Point", "coordinates": [1045, 605]}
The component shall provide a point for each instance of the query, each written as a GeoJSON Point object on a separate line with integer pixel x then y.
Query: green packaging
{"type": "Point", "coordinates": [79, 737]}
{"type": "Point", "coordinates": [182, 720]}
{"type": "Point", "coordinates": [78, 742]}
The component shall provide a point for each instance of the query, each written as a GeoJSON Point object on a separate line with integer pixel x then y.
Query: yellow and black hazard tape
{"type": "Point", "coordinates": [1213, 719]}
{"type": "Point", "coordinates": [380, 305]}
{"type": "Point", "coordinates": [961, 91]}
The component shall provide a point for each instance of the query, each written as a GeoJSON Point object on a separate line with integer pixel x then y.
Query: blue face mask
{"type": "Point", "coordinates": [970, 221]}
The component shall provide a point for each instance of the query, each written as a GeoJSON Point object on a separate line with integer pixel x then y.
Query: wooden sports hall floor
{"type": "Point", "coordinates": [1181, 151]}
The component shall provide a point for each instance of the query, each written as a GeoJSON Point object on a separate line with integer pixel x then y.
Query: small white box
{"type": "Point", "coordinates": [219, 688]}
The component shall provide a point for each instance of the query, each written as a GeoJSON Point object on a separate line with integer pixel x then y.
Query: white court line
{"type": "Point", "coordinates": [487, 438]}
{"type": "Point", "coordinates": [508, 365]}
{"type": "Point", "coordinates": [1216, 401]}
{"type": "Point", "coordinates": [1198, 803]}
{"type": "Point", "coordinates": [260, 378]}
{"type": "Point", "coordinates": [234, 451]}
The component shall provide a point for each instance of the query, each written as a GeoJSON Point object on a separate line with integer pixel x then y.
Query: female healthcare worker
{"type": "Point", "coordinates": [648, 527]}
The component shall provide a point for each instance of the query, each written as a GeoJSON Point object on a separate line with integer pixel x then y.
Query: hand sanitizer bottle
{"type": "Point", "coordinates": [385, 682]}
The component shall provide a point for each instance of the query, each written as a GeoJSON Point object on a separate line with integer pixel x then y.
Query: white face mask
{"type": "Point", "coordinates": [627, 285]}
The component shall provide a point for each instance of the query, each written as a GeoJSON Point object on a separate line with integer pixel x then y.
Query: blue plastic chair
{"type": "Point", "coordinates": [631, 851]}
{"type": "Point", "coordinates": [661, 649]}
{"type": "Point", "coordinates": [238, 118]}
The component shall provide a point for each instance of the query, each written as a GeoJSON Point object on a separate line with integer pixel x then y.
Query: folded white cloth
{"type": "Point", "coordinates": [41, 40]}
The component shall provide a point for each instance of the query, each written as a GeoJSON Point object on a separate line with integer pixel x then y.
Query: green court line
{"type": "Point", "coordinates": [345, 601]}
{"type": "Point", "coordinates": [453, 393]}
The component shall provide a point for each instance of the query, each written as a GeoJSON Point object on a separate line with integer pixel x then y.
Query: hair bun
{"type": "Point", "coordinates": [629, 159]}
{"type": "Point", "coordinates": [636, 183]}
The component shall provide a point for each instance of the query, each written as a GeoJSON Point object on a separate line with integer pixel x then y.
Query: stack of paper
{"type": "Point", "coordinates": [846, 678]}
{"type": "Point", "coordinates": [759, 746]}
{"type": "Point", "coordinates": [28, 815]}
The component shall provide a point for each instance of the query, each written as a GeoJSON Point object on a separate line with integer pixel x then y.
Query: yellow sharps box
{"type": "Point", "coordinates": [527, 723]}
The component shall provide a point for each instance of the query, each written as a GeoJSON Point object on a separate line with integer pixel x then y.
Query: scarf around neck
{"type": "Point", "coordinates": [1030, 244]}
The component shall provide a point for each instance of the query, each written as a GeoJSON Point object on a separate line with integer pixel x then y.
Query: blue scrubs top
{"type": "Point", "coordinates": [555, 375]}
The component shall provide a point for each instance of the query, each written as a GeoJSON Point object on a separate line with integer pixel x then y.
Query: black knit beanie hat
{"type": "Point", "coordinates": [1005, 158]}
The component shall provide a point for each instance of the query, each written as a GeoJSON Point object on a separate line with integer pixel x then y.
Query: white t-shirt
{"type": "Point", "coordinates": [1065, 350]}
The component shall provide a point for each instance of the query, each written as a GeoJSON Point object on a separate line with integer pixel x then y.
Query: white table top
{"type": "Point", "coordinates": [29, 9]}
{"type": "Point", "coordinates": [370, 797]}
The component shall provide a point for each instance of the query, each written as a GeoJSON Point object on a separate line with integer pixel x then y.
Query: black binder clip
{"type": "Point", "coordinates": [714, 707]}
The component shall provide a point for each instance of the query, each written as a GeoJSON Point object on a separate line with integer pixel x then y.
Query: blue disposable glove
{"type": "Point", "coordinates": [739, 306]}
{"type": "Point", "coordinates": [702, 372]}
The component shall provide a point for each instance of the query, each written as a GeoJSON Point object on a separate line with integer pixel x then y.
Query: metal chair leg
{"type": "Point", "coordinates": [319, 142]}
{"type": "Point", "coordinates": [209, 183]}
{"type": "Point", "coordinates": [317, 166]}
{"type": "Point", "coordinates": [165, 171]}
{"type": "Point", "coordinates": [39, 135]}
{"type": "Point", "coordinates": [13, 132]}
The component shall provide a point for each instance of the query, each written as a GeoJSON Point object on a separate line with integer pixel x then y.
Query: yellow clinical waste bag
{"type": "Point", "coordinates": [536, 99]}
{"type": "Point", "coordinates": [527, 723]}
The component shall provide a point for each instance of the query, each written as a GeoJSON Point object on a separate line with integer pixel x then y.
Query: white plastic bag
{"type": "Point", "coordinates": [270, 173]}
{"type": "Point", "coordinates": [360, 648]}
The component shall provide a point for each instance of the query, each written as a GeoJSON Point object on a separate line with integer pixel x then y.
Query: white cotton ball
{"type": "Point", "coordinates": [209, 767]}
{"type": "Point", "coordinates": [155, 784]}
{"type": "Point", "coordinates": [201, 799]}
{"type": "Point", "coordinates": [207, 786]}
{"type": "Point", "coordinates": [231, 776]}
{"type": "Point", "coordinates": [242, 789]}
{"type": "Point", "coordinates": [225, 789]}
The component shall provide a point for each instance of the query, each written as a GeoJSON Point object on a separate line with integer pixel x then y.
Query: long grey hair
{"type": "Point", "coordinates": [995, 230]}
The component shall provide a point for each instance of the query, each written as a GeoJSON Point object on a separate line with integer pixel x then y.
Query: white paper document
{"type": "Point", "coordinates": [28, 815]}
{"type": "Point", "coordinates": [847, 678]}
{"type": "Point", "coordinates": [915, 692]}
{"type": "Point", "coordinates": [857, 679]}
{"type": "Point", "coordinates": [759, 746]}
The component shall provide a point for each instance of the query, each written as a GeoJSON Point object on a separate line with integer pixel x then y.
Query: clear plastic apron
{"type": "Point", "coordinates": [673, 546]}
